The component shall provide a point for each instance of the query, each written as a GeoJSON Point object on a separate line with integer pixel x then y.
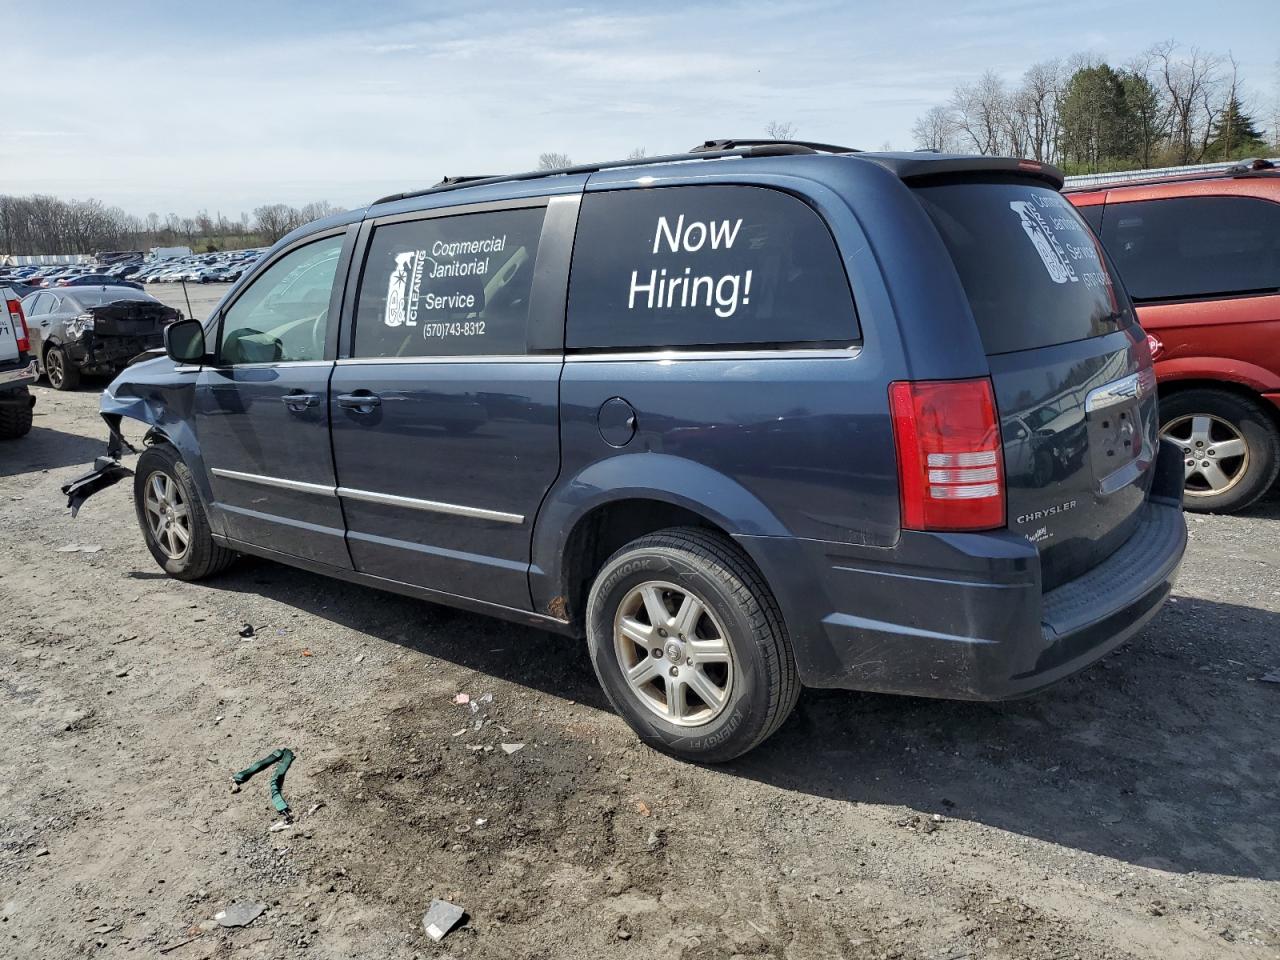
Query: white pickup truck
{"type": "Point", "coordinates": [17, 371]}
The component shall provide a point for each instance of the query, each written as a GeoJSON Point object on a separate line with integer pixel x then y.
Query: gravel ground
{"type": "Point", "coordinates": [1129, 812]}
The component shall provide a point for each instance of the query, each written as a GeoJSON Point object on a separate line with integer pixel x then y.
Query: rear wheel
{"type": "Point", "coordinates": [1230, 447]}
{"type": "Point", "coordinates": [60, 371]}
{"type": "Point", "coordinates": [173, 521]}
{"type": "Point", "coordinates": [15, 417]}
{"type": "Point", "coordinates": [689, 645]}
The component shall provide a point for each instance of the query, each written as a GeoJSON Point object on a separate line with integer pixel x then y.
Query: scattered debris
{"type": "Point", "coordinates": [279, 826]}
{"type": "Point", "coordinates": [106, 472]}
{"type": "Point", "coordinates": [283, 757]}
{"type": "Point", "coordinates": [360, 659]}
{"type": "Point", "coordinates": [123, 672]}
{"type": "Point", "coordinates": [181, 943]}
{"type": "Point", "coordinates": [306, 652]}
{"type": "Point", "coordinates": [240, 914]}
{"type": "Point", "coordinates": [247, 631]}
{"type": "Point", "coordinates": [1272, 677]}
{"type": "Point", "coordinates": [441, 917]}
{"type": "Point", "coordinates": [79, 548]}
{"type": "Point", "coordinates": [462, 699]}
{"type": "Point", "coordinates": [510, 748]}
{"type": "Point", "coordinates": [624, 933]}
{"type": "Point", "coordinates": [199, 826]}
{"type": "Point", "coordinates": [642, 808]}
{"type": "Point", "coordinates": [314, 807]}
{"type": "Point", "coordinates": [460, 732]}
{"type": "Point", "coordinates": [106, 928]}
{"type": "Point", "coordinates": [42, 852]}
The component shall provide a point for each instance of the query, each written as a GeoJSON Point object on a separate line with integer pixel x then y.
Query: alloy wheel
{"type": "Point", "coordinates": [674, 653]}
{"type": "Point", "coordinates": [168, 515]}
{"type": "Point", "coordinates": [1215, 454]}
{"type": "Point", "coordinates": [53, 367]}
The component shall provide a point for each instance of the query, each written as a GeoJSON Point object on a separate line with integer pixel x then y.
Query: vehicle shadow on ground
{"type": "Point", "coordinates": [46, 449]}
{"type": "Point", "coordinates": [1162, 755]}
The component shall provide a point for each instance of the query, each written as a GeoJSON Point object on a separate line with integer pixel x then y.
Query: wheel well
{"type": "Point", "coordinates": [599, 534]}
{"type": "Point", "coordinates": [1169, 388]}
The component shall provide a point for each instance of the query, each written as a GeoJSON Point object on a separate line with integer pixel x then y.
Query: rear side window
{"type": "Point", "coordinates": [1032, 269]}
{"type": "Point", "coordinates": [705, 266]}
{"type": "Point", "coordinates": [1195, 246]}
{"type": "Point", "coordinates": [449, 286]}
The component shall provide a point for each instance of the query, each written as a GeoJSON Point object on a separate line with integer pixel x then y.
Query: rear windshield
{"type": "Point", "coordinates": [1032, 269]}
{"type": "Point", "coordinates": [96, 298]}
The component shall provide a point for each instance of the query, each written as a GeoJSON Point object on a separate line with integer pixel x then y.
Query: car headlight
{"type": "Point", "coordinates": [77, 327]}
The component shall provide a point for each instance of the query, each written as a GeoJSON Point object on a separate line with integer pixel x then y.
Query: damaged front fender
{"type": "Point", "coordinates": [156, 393]}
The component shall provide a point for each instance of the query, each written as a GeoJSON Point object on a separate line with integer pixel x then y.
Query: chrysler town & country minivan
{"type": "Point", "coordinates": [752, 418]}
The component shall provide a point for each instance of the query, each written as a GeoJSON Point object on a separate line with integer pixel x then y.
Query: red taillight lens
{"type": "Point", "coordinates": [19, 325]}
{"type": "Point", "coordinates": [950, 464]}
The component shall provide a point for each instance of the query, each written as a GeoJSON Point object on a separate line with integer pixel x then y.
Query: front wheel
{"type": "Point", "coordinates": [173, 521]}
{"type": "Point", "coordinates": [689, 645]}
{"type": "Point", "coordinates": [1229, 444]}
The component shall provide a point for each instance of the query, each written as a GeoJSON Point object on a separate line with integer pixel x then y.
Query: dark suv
{"type": "Point", "coordinates": [750, 418]}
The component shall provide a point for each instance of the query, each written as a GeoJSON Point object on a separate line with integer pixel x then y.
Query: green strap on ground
{"type": "Point", "coordinates": [283, 757]}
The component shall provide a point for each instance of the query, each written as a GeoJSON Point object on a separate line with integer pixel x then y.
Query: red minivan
{"type": "Point", "coordinates": [1200, 256]}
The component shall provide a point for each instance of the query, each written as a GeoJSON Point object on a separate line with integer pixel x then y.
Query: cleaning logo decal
{"type": "Point", "coordinates": [1045, 242]}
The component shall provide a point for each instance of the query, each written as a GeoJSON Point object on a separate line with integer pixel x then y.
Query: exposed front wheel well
{"type": "Point", "coordinates": [605, 530]}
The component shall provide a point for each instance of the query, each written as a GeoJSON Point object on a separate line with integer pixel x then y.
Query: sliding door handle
{"type": "Point", "coordinates": [362, 401]}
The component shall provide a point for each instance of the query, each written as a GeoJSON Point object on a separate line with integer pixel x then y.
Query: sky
{"type": "Point", "coordinates": [227, 105]}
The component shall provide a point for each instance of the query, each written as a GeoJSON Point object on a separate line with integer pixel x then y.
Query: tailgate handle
{"type": "Point", "coordinates": [362, 401]}
{"type": "Point", "coordinates": [297, 402]}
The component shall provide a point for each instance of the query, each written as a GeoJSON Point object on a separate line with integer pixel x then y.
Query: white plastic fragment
{"type": "Point", "coordinates": [441, 917]}
{"type": "Point", "coordinates": [510, 748]}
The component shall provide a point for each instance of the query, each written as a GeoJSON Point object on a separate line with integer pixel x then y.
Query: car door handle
{"type": "Point", "coordinates": [361, 402]}
{"type": "Point", "coordinates": [298, 402]}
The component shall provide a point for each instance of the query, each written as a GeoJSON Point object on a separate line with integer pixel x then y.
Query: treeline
{"type": "Point", "coordinates": [1165, 107]}
{"type": "Point", "coordinates": [37, 224]}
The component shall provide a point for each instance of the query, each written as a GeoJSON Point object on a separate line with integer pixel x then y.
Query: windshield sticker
{"type": "Point", "coordinates": [1066, 248]}
{"type": "Point", "coordinates": [657, 290]}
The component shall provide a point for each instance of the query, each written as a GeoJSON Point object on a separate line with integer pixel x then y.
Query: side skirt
{"type": "Point", "coordinates": [526, 617]}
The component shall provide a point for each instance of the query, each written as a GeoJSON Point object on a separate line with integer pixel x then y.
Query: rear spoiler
{"type": "Point", "coordinates": [927, 166]}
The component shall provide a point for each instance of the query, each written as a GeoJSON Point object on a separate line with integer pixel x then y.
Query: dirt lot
{"type": "Point", "coordinates": [1130, 812]}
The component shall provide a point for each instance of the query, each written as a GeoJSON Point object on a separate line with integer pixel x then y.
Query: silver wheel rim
{"type": "Point", "coordinates": [168, 515]}
{"type": "Point", "coordinates": [674, 653]}
{"type": "Point", "coordinates": [1215, 455]}
{"type": "Point", "coordinates": [54, 363]}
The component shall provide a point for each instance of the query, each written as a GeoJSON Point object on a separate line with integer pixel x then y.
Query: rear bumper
{"type": "Point", "coordinates": [963, 616]}
{"type": "Point", "coordinates": [20, 376]}
{"type": "Point", "coordinates": [108, 353]}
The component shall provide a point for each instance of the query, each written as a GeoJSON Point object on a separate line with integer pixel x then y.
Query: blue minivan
{"type": "Point", "coordinates": [751, 418]}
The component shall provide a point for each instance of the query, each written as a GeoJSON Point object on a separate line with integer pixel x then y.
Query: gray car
{"type": "Point", "coordinates": [94, 330]}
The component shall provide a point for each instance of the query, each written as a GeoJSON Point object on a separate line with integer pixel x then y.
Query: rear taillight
{"type": "Point", "coordinates": [950, 465]}
{"type": "Point", "coordinates": [19, 325]}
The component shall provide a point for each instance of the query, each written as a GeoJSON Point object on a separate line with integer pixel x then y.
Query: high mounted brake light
{"type": "Point", "coordinates": [950, 461]}
{"type": "Point", "coordinates": [19, 325]}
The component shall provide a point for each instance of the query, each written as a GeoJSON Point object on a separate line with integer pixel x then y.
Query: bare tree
{"type": "Point", "coordinates": [936, 130]}
{"type": "Point", "coordinates": [982, 114]}
{"type": "Point", "coordinates": [639, 153]}
{"type": "Point", "coordinates": [553, 161]}
{"type": "Point", "coordinates": [1192, 85]}
{"type": "Point", "coordinates": [1038, 100]}
{"type": "Point", "coordinates": [780, 130]}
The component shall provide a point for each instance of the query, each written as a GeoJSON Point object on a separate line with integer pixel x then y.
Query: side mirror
{"type": "Point", "coordinates": [184, 341]}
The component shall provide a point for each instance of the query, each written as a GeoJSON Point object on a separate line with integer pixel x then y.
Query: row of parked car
{"type": "Point", "coordinates": [221, 267]}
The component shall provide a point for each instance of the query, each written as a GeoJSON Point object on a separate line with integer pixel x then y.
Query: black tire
{"type": "Point", "coordinates": [15, 418]}
{"type": "Point", "coordinates": [202, 557]}
{"type": "Point", "coordinates": [765, 684]}
{"type": "Point", "coordinates": [62, 373]}
{"type": "Point", "coordinates": [1255, 473]}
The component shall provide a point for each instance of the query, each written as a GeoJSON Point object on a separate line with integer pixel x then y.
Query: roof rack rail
{"type": "Point", "coordinates": [745, 148]}
{"type": "Point", "coordinates": [803, 146]}
{"type": "Point", "coordinates": [450, 181]}
{"type": "Point", "coordinates": [1242, 169]}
